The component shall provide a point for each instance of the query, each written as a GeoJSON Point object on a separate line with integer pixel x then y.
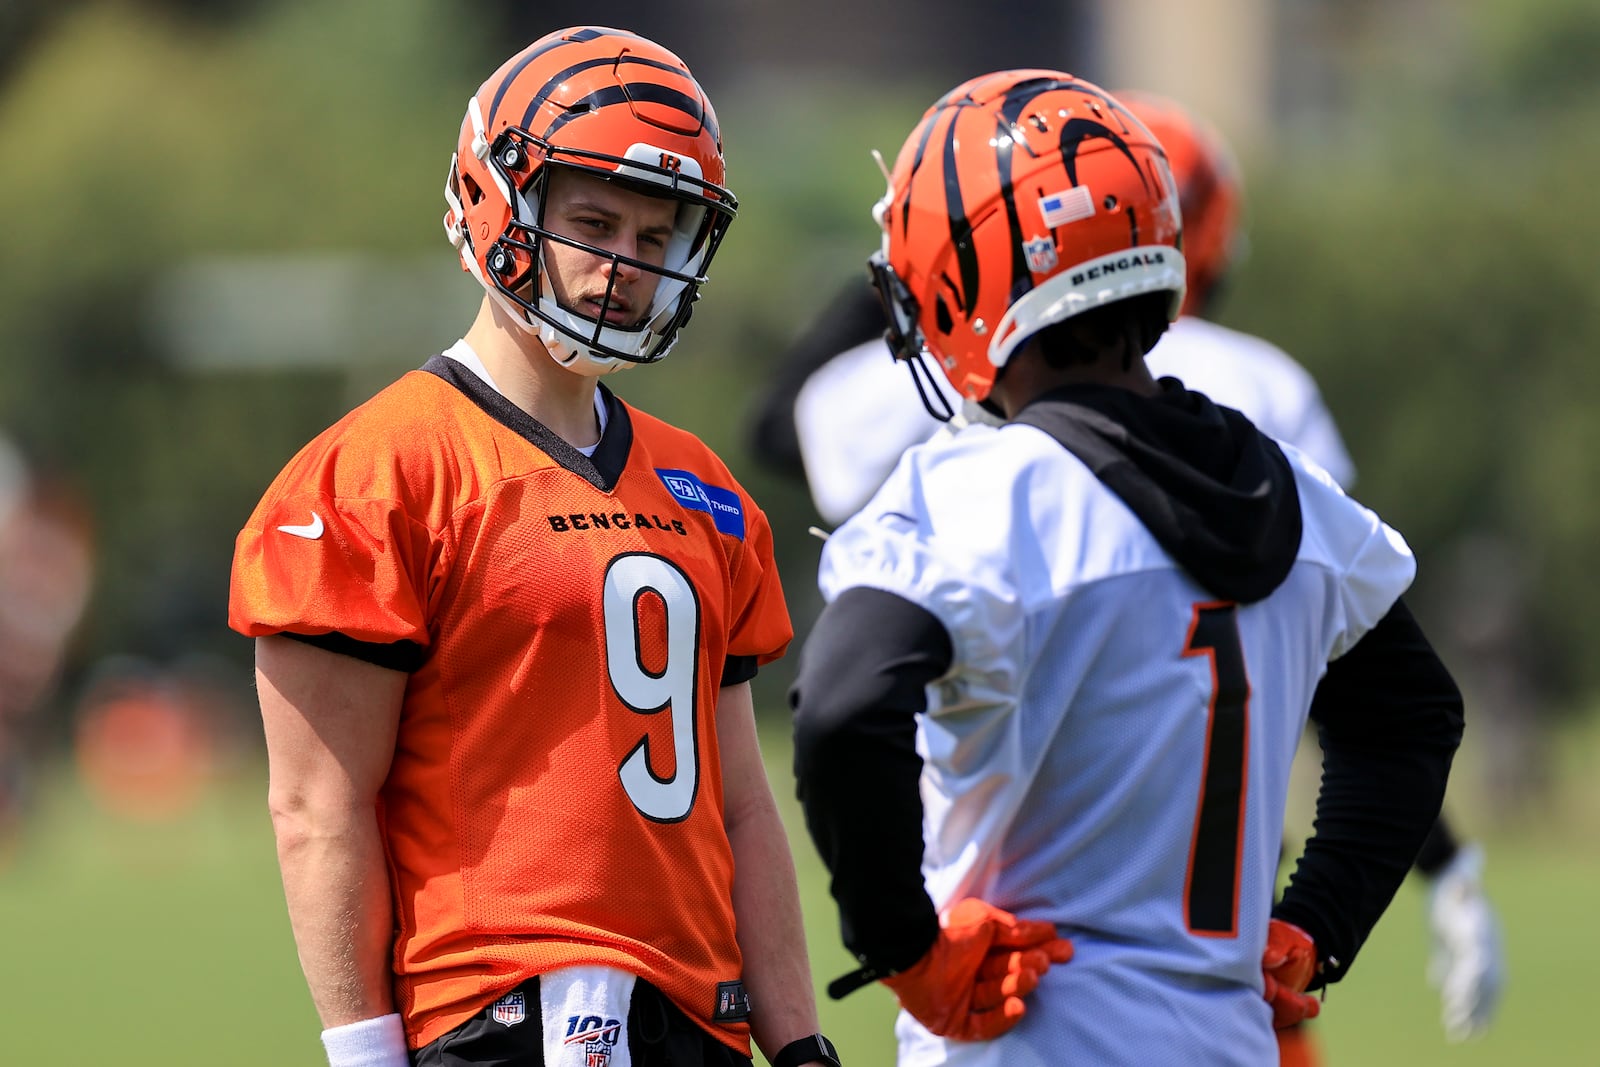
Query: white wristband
{"type": "Point", "coordinates": [379, 1042]}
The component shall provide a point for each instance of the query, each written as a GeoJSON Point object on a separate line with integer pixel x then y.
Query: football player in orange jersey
{"type": "Point", "coordinates": [506, 625]}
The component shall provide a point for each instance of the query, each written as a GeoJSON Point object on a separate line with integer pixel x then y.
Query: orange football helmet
{"type": "Point", "coordinates": [1209, 188]}
{"type": "Point", "coordinates": [613, 104]}
{"type": "Point", "coordinates": [1021, 199]}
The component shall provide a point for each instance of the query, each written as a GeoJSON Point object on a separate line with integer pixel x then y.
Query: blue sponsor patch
{"type": "Point", "coordinates": [721, 504]}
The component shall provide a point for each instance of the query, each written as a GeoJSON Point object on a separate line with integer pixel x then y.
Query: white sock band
{"type": "Point", "coordinates": [379, 1042]}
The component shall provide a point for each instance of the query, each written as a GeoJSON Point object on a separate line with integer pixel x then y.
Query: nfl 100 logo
{"type": "Point", "coordinates": [595, 1036]}
{"type": "Point", "coordinates": [510, 1009]}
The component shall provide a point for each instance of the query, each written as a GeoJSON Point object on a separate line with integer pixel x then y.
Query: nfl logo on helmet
{"type": "Point", "coordinates": [1041, 254]}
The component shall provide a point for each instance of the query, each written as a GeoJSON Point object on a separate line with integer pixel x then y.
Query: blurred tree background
{"type": "Point", "coordinates": [224, 232]}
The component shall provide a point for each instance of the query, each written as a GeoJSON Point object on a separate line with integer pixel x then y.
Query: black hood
{"type": "Point", "coordinates": [1214, 491]}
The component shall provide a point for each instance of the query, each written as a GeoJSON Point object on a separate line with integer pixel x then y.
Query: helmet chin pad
{"type": "Point", "coordinates": [575, 341]}
{"type": "Point", "coordinates": [566, 335]}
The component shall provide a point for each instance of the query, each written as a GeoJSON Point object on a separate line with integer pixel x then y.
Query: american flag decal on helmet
{"type": "Point", "coordinates": [1068, 206]}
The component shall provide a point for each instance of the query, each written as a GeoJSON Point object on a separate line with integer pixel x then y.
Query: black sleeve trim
{"type": "Point", "coordinates": [404, 656]}
{"type": "Point", "coordinates": [736, 669]}
{"type": "Point", "coordinates": [861, 684]}
{"type": "Point", "coordinates": [1389, 718]}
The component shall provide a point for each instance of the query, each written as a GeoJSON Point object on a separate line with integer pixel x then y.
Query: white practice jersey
{"type": "Point", "coordinates": [1110, 749]}
{"type": "Point", "coordinates": [853, 417]}
{"type": "Point", "coordinates": [858, 412]}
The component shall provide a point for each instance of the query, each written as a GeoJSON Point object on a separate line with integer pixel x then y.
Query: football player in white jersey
{"type": "Point", "coordinates": [1050, 708]}
{"type": "Point", "coordinates": [839, 414]}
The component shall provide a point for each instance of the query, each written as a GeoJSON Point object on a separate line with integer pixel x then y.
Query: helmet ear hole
{"type": "Point", "coordinates": [470, 190]}
{"type": "Point", "coordinates": [941, 315]}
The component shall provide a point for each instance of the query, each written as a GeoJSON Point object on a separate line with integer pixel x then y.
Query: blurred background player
{"type": "Point", "coordinates": [46, 574]}
{"type": "Point", "coordinates": [1066, 661]}
{"type": "Point", "coordinates": [839, 413]}
{"type": "Point", "coordinates": [506, 625]}
{"type": "Point", "coordinates": [148, 736]}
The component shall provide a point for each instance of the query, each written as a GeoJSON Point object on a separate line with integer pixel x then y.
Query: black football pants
{"type": "Point", "coordinates": [659, 1035]}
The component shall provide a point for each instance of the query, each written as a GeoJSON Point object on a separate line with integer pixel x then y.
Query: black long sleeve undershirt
{"type": "Point", "coordinates": [1389, 718]}
{"type": "Point", "coordinates": [1438, 850]}
{"type": "Point", "coordinates": [862, 682]}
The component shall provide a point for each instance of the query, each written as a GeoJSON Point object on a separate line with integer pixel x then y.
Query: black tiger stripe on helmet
{"type": "Point", "coordinates": [545, 44]}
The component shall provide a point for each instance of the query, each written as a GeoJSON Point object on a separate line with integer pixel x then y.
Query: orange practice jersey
{"type": "Point", "coordinates": [555, 797]}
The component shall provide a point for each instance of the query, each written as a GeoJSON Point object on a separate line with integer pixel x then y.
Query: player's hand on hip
{"type": "Point", "coordinates": [1287, 967]}
{"type": "Point", "coordinates": [1467, 965]}
{"type": "Point", "coordinates": [970, 985]}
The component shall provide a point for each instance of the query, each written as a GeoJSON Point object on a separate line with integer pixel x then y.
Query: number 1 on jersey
{"type": "Point", "coordinates": [1211, 890]}
{"type": "Point", "coordinates": [650, 688]}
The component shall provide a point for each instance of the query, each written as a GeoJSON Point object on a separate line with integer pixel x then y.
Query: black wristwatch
{"type": "Point", "coordinates": [807, 1050]}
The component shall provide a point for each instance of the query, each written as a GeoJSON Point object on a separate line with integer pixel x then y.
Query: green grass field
{"type": "Point", "coordinates": [135, 944]}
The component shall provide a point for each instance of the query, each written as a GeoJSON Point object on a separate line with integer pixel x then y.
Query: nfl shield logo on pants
{"type": "Point", "coordinates": [510, 1009]}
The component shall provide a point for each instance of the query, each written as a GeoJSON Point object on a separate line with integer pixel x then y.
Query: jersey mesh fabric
{"type": "Point", "coordinates": [516, 844]}
{"type": "Point", "coordinates": [1064, 752]}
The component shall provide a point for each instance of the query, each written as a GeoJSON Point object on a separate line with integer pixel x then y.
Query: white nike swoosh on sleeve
{"type": "Point", "coordinates": [310, 531]}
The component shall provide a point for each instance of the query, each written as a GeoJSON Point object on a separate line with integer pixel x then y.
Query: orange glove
{"type": "Point", "coordinates": [1287, 967]}
{"type": "Point", "coordinates": [970, 984]}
